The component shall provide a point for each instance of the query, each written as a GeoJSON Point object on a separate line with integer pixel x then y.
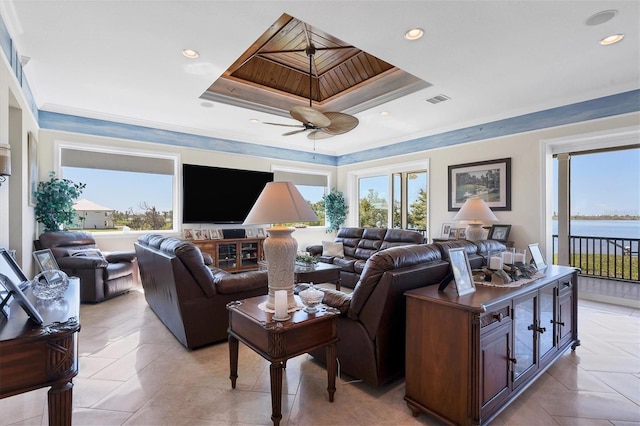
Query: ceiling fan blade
{"type": "Point", "coordinates": [282, 124]}
{"type": "Point", "coordinates": [293, 132]}
{"type": "Point", "coordinates": [318, 134]}
{"type": "Point", "coordinates": [308, 115]}
{"type": "Point", "coordinates": [340, 123]}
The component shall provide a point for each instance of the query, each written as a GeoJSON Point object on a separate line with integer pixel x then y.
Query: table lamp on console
{"type": "Point", "coordinates": [280, 202]}
{"type": "Point", "coordinates": [477, 212]}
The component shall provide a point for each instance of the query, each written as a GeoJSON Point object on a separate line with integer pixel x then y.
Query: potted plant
{"type": "Point", "coordinates": [336, 209]}
{"type": "Point", "coordinates": [54, 202]}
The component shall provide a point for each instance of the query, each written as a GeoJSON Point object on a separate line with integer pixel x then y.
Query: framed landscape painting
{"type": "Point", "coordinates": [489, 180]}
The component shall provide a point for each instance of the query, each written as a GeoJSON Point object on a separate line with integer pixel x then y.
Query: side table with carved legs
{"type": "Point", "coordinates": [277, 341]}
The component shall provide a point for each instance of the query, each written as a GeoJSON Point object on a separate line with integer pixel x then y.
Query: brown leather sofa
{"type": "Point", "coordinates": [102, 275]}
{"type": "Point", "coordinates": [359, 244]}
{"type": "Point", "coordinates": [187, 294]}
{"type": "Point", "coordinates": [477, 251]}
{"type": "Point", "coordinates": [371, 328]}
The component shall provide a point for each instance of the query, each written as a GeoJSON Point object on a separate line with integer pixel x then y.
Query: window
{"type": "Point", "coordinates": [312, 186]}
{"type": "Point", "coordinates": [373, 202]}
{"type": "Point", "coordinates": [404, 208]}
{"type": "Point", "coordinates": [129, 188]}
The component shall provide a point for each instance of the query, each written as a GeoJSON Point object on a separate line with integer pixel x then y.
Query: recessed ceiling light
{"type": "Point", "coordinates": [206, 104]}
{"type": "Point", "coordinates": [612, 39]}
{"type": "Point", "coordinates": [254, 120]}
{"type": "Point", "coordinates": [190, 53]}
{"type": "Point", "coordinates": [384, 113]}
{"type": "Point", "coordinates": [414, 34]}
{"type": "Point", "coordinates": [601, 17]}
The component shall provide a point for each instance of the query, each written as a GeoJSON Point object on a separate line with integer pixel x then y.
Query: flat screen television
{"type": "Point", "coordinates": [219, 195]}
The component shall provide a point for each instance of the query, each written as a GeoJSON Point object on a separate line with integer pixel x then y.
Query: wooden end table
{"type": "Point", "coordinates": [277, 341]}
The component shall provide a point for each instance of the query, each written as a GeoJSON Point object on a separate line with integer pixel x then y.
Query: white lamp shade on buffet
{"type": "Point", "coordinates": [476, 211]}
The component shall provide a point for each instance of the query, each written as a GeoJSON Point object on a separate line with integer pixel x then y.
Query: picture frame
{"type": "Point", "coordinates": [261, 233]}
{"type": "Point", "coordinates": [200, 234]}
{"type": "Point", "coordinates": [215, 234]}
{"type": "Point", "coordinates": [462, 234]}
{"type": "Point", "coordinates": [249, 233]}
{"type": "Point", "coordinates": [453, 234]}
{"type": "Point", "coordinates": [11, 278]}
{"type": "Point", "coordinates": [499, 233]}
{"type": "Point", "coordinates": [462, 277]}
{"type": "Point", "coordinates": [188, 234]}
{"type": "Point", "coordinates": [45, 260]}
{"type": "Point", "coordinates": [489, 180]}
{"type": "Point", "coordinates": [32, 163]}
{"type": "Point", "coordinates": [445, 230]}
{"type": "Point", "coordinates": [536, 256]}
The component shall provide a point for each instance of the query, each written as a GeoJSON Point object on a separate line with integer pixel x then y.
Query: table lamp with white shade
{"type": "Point", "coordinates": [476, 211]}
{"type": "Point", "coordinates": [280, 202]}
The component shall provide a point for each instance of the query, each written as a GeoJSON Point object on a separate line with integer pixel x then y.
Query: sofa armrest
{"type": "Point", "coordinates": [244, 281]}
{"type": "Point", "coordinates": [315, 249]}
{"type": "Point", "coordinates": [82, 262]}
{"type": "Point", "coordinates": [120, 256]}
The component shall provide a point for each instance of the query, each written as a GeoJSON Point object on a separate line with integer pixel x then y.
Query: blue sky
{"type": "Point", "coordinates": [603, 183]}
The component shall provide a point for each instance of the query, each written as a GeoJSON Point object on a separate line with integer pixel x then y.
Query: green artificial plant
{"type": "Point", "coordinates": [54, 202]}
{"type": "Point", "coordinates": [336, 209]}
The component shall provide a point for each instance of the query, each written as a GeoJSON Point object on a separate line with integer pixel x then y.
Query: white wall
{"type": "Point", "coordinates": [528, 202]}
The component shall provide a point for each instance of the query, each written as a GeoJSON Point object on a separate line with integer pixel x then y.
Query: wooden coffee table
{"type": "Point", "coordinates": [277, 341]}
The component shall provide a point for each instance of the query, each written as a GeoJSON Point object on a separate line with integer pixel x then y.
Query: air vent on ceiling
{"type": "Point", "coordinates": [438, 99]}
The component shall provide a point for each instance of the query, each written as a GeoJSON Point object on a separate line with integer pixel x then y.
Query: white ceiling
{"type": "Point", "coordinates": [121, 60]}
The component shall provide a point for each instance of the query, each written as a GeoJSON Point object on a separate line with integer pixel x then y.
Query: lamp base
{"type": "Point", "coordinates": [280, 250]}
{"type": "Point", "coordinates": [475, 232]}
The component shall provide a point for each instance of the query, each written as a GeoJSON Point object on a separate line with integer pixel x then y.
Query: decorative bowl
{"type": "Point", "coordinates": [311, 298]}
{"type": "Point", "coordinates": [50, 284]}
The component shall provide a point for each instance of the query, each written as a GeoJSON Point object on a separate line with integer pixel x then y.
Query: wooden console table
{"type": "Point", "coordinates": [277, 341]}
{"type": "Point", "coordinates": [468, 357]}
{"type": "Point", "coordinates": [34, 356]}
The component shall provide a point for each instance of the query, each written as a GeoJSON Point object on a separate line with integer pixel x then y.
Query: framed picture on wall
{"type": "Point", "coordinates": [489, 180]}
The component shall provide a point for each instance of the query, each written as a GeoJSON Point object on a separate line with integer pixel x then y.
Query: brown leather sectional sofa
{"type": "Point", "coordinates": [187, 293]}
{"type": "Point", "coordinates": [371, 327]}
{"type": "Point", "coordinates": [359, 244]}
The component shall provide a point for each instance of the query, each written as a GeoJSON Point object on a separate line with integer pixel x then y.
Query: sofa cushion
{"type": "Point", "coordinates": [389, 259]}
{"type": "Point", "coordinates": [344, 263]}
{"type": "Point", "coordinates": [332, 249]}
{"type": "Point", "coordinates": [400, 237]}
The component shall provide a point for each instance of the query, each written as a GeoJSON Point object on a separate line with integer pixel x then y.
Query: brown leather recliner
{"type": "Point", "coordinates": [102, 276]}
{"type": "Point", "coordinates": [188, 294]}
{"type": "Point", "coordinates": [371, 328]}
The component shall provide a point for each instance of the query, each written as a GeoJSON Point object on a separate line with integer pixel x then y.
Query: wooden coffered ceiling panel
{"type": "Point", "coordinates": [272, 75]}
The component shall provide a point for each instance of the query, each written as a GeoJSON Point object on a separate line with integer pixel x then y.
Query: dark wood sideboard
{"type": "Point", "coordinates": [34, 356]}
{"type": "Point", "coordinates": [468, 357]}
{"type": "Point", "coordinates": [233, 255]}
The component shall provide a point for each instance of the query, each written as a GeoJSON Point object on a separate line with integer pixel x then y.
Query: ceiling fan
{"type": "Point", "coordinates": [321, 125]}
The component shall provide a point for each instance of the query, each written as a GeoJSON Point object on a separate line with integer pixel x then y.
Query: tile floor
{"type": "Point", "coordinates": [133, 372]}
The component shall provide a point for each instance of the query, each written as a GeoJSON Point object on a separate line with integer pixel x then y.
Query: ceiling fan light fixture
{"type": "Point", "coordinates": [414, 34]}
{"type": "Point", "coordinates": [612, 39]}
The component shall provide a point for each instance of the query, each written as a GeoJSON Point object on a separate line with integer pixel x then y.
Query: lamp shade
{"type": "Point", "coordinates": [476, 210]}
{"type": "Point", "coordinates": [280, 202]}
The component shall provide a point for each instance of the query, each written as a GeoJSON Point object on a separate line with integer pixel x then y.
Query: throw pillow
{"type": "Point", "coordinates": [329, 248]}
{"type": "Point", "coordinates": [89, 252]}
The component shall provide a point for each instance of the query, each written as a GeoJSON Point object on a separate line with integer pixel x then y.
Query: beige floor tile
{"type": "Point", "coordinates": [26, 407]}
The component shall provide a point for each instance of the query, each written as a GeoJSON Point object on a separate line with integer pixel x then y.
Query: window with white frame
{"type": "Point", "coordinates": [133, 189]}
{"type": "Point", "coordinates": [393, 198]}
